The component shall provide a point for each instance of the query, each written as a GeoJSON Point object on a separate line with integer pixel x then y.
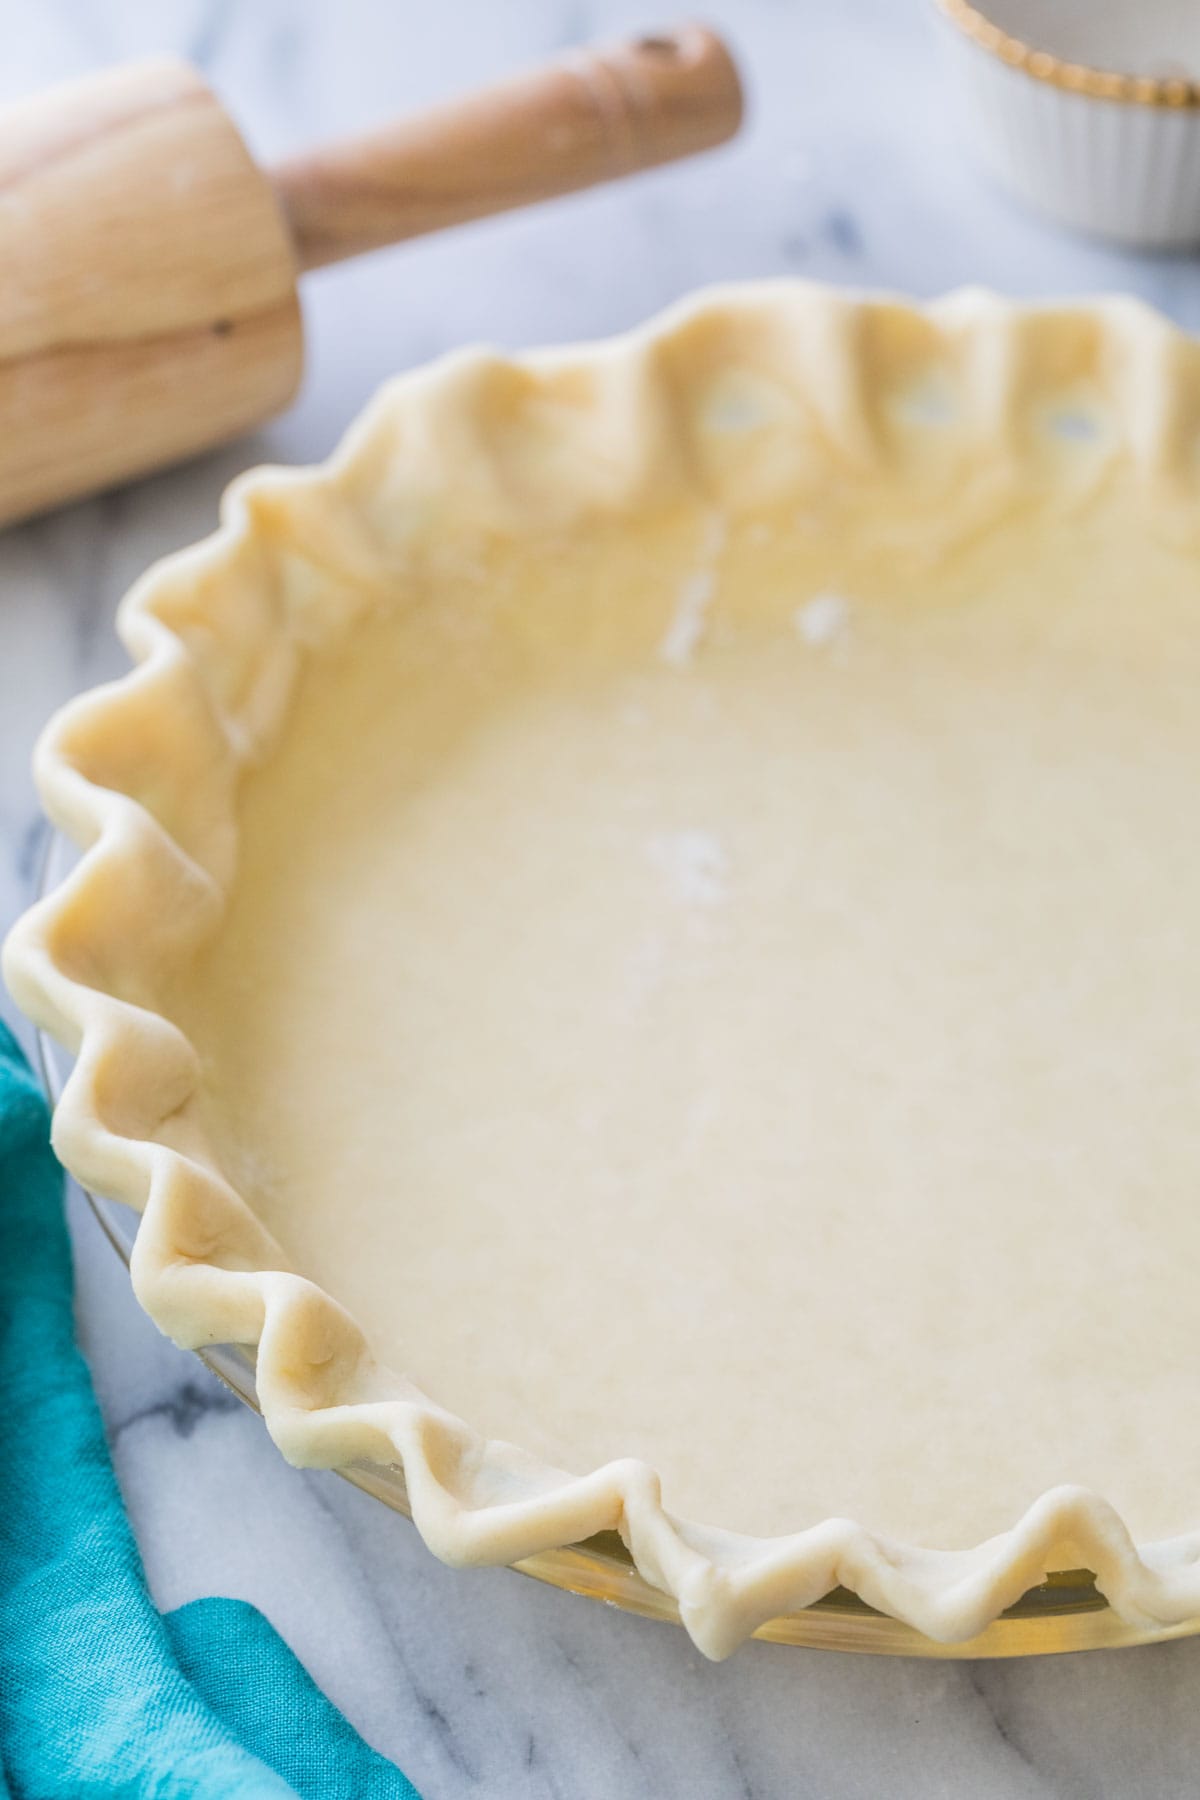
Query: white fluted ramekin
{"type": "Point", "coordinates": [1116, 155]}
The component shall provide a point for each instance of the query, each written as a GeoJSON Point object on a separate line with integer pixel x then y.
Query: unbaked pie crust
{"type": "Point", "coordinates": [656, 894]}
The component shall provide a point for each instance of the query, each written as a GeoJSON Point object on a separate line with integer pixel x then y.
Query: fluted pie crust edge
{"type": "Point", "coordinates": [143, 774]}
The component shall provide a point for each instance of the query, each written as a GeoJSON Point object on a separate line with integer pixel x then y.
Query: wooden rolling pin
{"type": "Point", "coordinates": [148, 267]}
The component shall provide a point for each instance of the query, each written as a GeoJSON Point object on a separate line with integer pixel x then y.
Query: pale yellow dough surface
{"type": "Point", "coordinates": [733, 999]}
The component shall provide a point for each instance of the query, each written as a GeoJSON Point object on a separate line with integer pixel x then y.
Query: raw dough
{"type": "Point", "coordinates": [768, 1048]}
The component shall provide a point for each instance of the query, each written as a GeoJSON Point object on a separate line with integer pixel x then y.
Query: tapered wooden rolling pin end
{"type": "Point", "coordinates": [593, 116]}
{"type": "Point", "coordinates": [148, 303]}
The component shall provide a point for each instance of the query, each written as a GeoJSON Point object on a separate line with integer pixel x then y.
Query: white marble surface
{"type": "Point", "coordinates": [485, 1683]}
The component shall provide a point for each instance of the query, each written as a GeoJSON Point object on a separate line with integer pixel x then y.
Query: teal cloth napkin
{"type": "Point", "coordinates": [100, 1695]}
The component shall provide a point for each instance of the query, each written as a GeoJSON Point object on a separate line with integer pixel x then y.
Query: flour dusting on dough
{"type": "Point", "coordinates": [689, 621]}
{"type": "Point", "coordinates": [824, 620]}
{"type": "Point", "coordinates": [693, 864]}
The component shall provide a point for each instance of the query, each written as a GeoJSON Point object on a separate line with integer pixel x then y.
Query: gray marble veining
{"type": "Point", "coordinates": [485, 1683]}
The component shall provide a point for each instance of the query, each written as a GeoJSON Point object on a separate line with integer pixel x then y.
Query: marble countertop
{"type": "Point", "coordinates": [485, 1683]}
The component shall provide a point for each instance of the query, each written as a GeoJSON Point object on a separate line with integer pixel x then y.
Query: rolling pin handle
{"type": "Point", "coordinates": [590, 117]}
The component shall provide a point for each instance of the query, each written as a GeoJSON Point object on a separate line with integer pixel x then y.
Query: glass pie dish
{"type": "Point", "coordinates": [664, 857]}
{"type": "Point", "coordinates": [1064, 1613]}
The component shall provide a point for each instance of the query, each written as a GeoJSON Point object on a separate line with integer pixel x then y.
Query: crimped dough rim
{"type": "Point", "coordinates": [142, 775]}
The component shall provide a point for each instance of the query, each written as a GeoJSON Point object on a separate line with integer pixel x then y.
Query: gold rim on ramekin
{"type": "Point", "coordinates": [1174, 92]}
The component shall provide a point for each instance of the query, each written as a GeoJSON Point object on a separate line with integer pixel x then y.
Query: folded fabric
{"type": "Point", "coordinates": [100, 1695]}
